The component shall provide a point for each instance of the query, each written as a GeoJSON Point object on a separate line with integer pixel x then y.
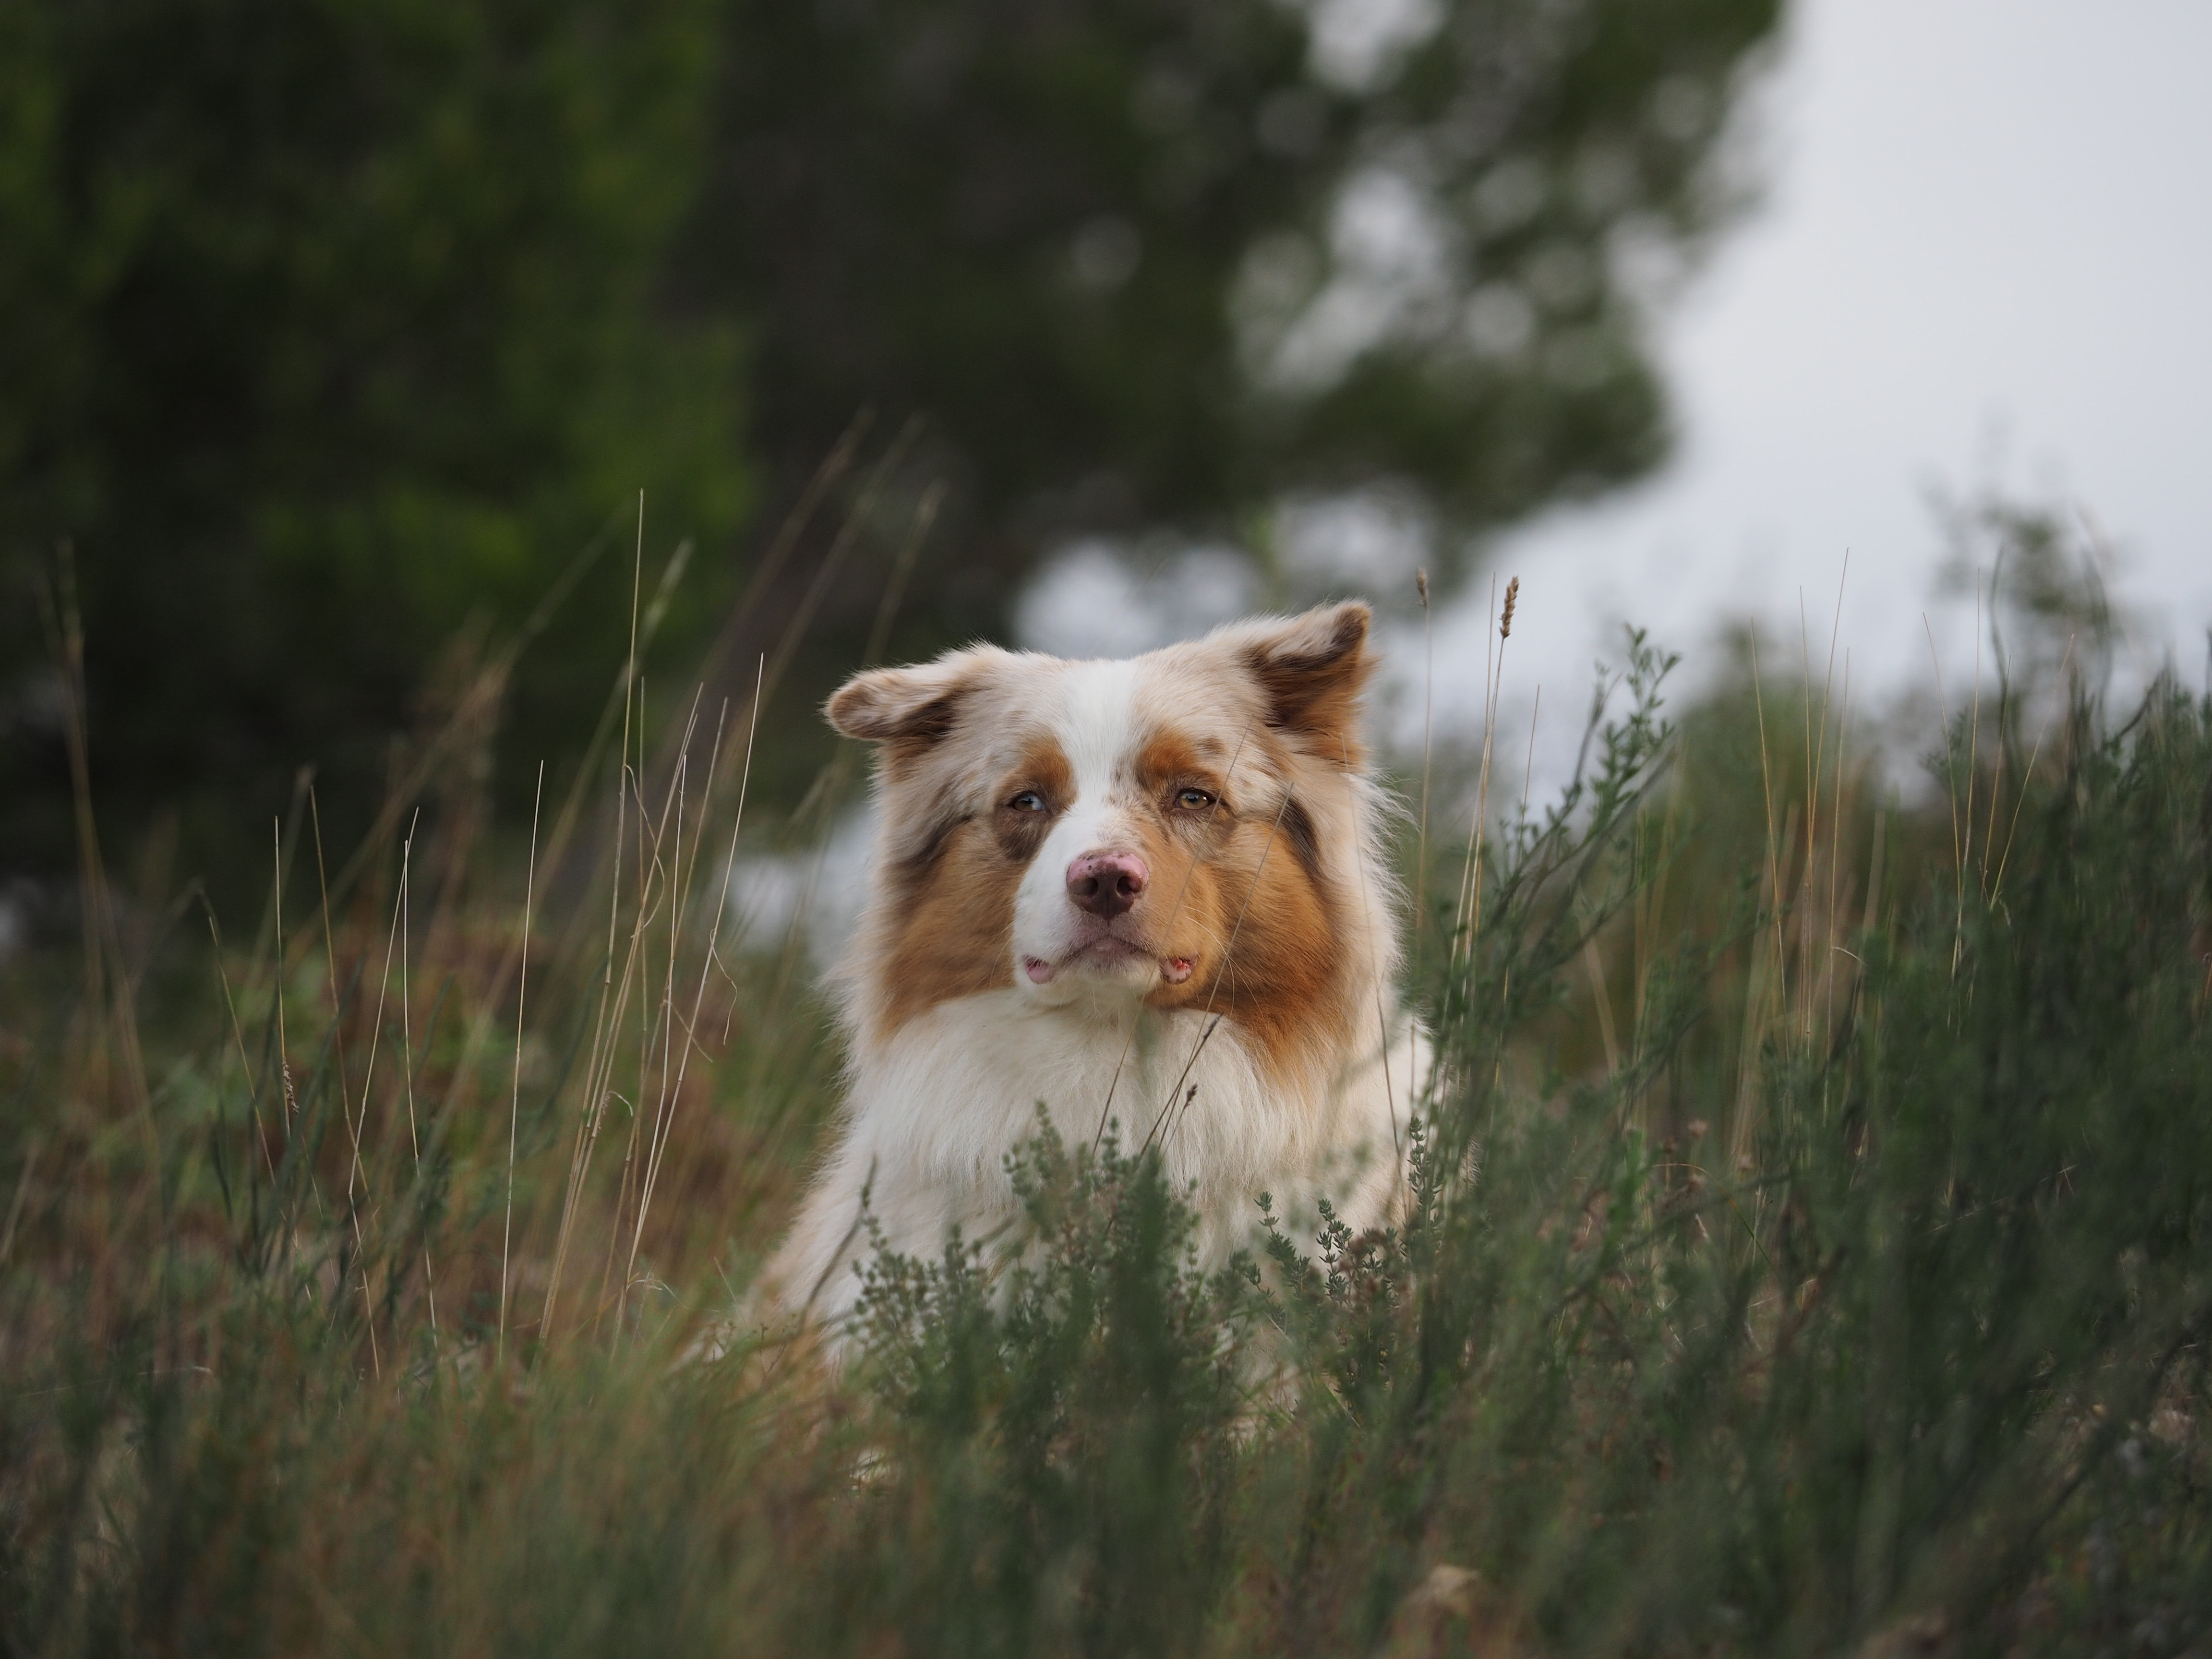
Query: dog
{"type": "Point", "coordinates": [1148, 893]}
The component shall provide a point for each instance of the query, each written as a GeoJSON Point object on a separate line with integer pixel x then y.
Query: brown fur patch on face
{"type": "Point", "coordinates": [1171, 761]}
{"type": "Point", "coordinates": [953, 939]}
{"type": "Point", "coordinates": [1304, 839]}
{"type": "Point", "coordinates": [1248, 898]}
{"type": "Point", "coordinates": [1042, 771]}
{"type": "Point", "coordinates": [954, 933]}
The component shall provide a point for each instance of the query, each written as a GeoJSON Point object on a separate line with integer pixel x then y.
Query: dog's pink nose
{"type": "Point", "coordinates": [1106, 884]}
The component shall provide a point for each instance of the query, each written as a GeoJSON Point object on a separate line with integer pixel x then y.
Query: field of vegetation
{"type": "Point", "coordinates": [1811, 1248]}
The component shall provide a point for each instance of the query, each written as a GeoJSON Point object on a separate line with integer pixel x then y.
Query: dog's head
{"type": "Point", "coordinates": [1183, 829]}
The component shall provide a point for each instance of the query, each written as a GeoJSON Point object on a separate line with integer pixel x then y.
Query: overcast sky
{"type": "Point", "coordinates": [1984, 253]}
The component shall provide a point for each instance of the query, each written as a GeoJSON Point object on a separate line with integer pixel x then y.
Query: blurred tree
{"type": "Point", "coordinates": [1147, 262]}
{"type": "Point", "coordinates": [326, 324]}
{"type": "Point", "coordinates": [323, 325]}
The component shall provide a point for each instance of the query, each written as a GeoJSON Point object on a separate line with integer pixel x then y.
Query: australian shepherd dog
{"type": "Point", "coordinates": [1147, 892]}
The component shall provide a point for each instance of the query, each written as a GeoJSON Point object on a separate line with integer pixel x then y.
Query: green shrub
{"type": "Point", "coordinates": [1872, 1321]}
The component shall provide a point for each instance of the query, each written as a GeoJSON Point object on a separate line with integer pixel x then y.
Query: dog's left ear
{"type": "Point", "coordinates": [1311, 669]}
{"type": "Point", "coordinates": [910, 710]}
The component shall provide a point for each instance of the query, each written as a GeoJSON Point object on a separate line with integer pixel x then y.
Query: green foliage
{"type": "Point", "coordinates": [1061, 1443]}
{"type": "Point", "coordinates": [329, 331]}
{"type": "Point", "coordinates": [1142, 263]}
{"type": "Point", "coordinates": [1901, 1345]}
{"type": "Point", "coordinates": [328, 325]}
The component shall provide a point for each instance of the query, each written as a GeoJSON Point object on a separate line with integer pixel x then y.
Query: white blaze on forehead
{"type": "Point", "coordinates": [1095, 723]}
{"type": "Point", "coordinates": [1091, 710]}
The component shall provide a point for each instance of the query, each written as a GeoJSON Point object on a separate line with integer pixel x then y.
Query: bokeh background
{"type": "Point", "coordinates": [351, 352]}
{"type": "Point", "coordinates": [448, 448]}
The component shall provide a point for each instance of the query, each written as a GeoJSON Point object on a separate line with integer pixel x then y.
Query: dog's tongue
{"type": "Point", "coordinates": [1176, 969]}
{"type": "Point", "coordinates": [1038, 970]}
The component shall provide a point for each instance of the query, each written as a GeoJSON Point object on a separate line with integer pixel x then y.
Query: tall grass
{"type": "Point", "coordinates": [1807, 1249]}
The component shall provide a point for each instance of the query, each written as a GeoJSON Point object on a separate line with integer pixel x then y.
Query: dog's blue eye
{"type": "Point", "coordinates": [1028, 801]}
{"type": "Point", "coordinates": [1196, 800]}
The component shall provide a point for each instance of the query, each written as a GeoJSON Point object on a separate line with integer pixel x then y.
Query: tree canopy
{"type": "Point", "coordinates": [1144, 262]}
{"type": "Point", "coordinates": [327, 326]}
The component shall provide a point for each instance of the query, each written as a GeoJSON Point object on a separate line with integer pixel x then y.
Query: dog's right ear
{"type": "Point", "coordinates": [908, 708]}
{"type": "Point", "coordinates": [1310, 669]}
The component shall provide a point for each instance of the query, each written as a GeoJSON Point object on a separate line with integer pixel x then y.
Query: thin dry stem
{"type": "Point", "coordinates": [706, 959]}
{"type": "Point", "coordinates": [514, 1097]}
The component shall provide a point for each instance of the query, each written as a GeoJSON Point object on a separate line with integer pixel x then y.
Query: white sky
{"type": "Point", "coordinates": [1984, 253]}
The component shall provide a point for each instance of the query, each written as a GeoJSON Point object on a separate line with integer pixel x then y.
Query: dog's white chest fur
{"type": "Point", "coordinates": [933, 1114]}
